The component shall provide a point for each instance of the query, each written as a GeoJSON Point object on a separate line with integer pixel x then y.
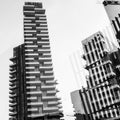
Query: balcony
{"type": "Point", "coordinates": [27, 21]}
{"type": "Point", "coordinates": [31, 38]}
{"type": "Point", "coordinates": [48, 87]}
{"type": "Point", "coordinates": [43, 35]}
{"type": "Point", "coordinates": [12, 84]}
{"type": "Point", "coordinates": [34, 93]}
{"type": "Point", "coordinates": [50, 109]}
{"type": "Point", "coordinates": [28, 42]}
{"type": "Point", "coordinates": [11, 92]}
{"type": "Point", "coordinates": [30, 67]}
{"type": "Point", "coordinates": [51, 92]}
{"type": "Point", "coordinates": [12, 88]}
{"type": "Point", "coordinates": [115, 87]}
{"type": "Point", "coordinates": [35, 82]}
{"type": "Point", "coordinates": [45, 59]}
{"type": "Point", "coordinates": [43, 42]}
{"type": "Point", "coordinates": [41, 28]}
{"type": "Point", "coordinates": [13, 58]}
{"type": "Point", "coordinates": [49, 68]}
{"type": "Point", "coordinates": [51, 82]}
{"type": "Point", "coordinates": [32, 109]}
{"type": "Point", "coordinates": [13, 114]}
{"type": "Point", "coordinates": [29, 58]}
{"type": "Point", "coordinates": [44, 50]}
{"type": "Point", "coordinates": [40, 15]}
{"type": "Point", "coordinates": [50, 98]}
{"type": "Point", "coordinates": [111, 75]}
{"type": "Point", "coordinates": [31, 87]}
{"type": "Point", "coordinates": [48, 73]}
{"type": "Point", "coordinates": [41, 21]}
{"type": "Point", "coordinates": [28, 35]}
{"type": "Point", "coordinates": [32, 63]}
{"type": "Point", "coordinates": [31, 54]}
{"type": "Point", "coordinates": [43, 77]}
{"type": "Point", "coordinates": [35, 115]}
{"type": "Point", "coordinates": [35, 104]}
{"type": "Point", "coordinates": [31, 46]}
{"type": "Point", "coordinates": [53, 103]}
{"type": "Point", "coordinates": [13, 72]}
{"type": "Point", "coordinates": [13, 65]}
{"type": "Point", "coordinates": [32, 98]}
{"type": "Point", "coordinates": [106, 62]}
{"type": "Point", "coordinates": [13, 104]}
{"type": "Point", "coordinates": [13, 80]}
{"type": "Point", "coordinates": [33, 72]}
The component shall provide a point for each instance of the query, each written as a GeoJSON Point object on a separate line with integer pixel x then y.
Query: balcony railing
{"type": "Point", "coordinates": [48, 87]}
{"type": "Point", "coordinates": [50, 108]}
{"type": "Point", "coordinates": [35, 104]}
{"type": "Point", "coordinates": [34, 93]}
{"type": "Point", "coordinates": [34, 82]}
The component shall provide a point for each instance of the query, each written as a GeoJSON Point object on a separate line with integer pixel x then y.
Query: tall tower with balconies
{"type": "Point", "coordinates": [34, 96]}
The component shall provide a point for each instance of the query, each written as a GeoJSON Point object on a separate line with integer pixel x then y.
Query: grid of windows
{"type": "Point", "coordinates": [101, 94]}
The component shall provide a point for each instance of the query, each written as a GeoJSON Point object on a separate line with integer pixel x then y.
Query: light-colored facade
{"type": "Point", "coordinates": [112, 8]}
{"type": "Point", "coordinates": [102, 92]}
{"type": "Point", "coordinates": [102, 78]}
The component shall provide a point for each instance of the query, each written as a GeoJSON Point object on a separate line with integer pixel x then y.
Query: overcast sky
{"type": "Point", "coordinates": [69, 22]}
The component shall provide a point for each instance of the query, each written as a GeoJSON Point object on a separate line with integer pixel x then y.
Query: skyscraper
{"type": "Point", "coordinates": [103, 90]}
{"type": "Point", "coordinates": [33, 90]}
{"type": "Point", "coordinates": [112, 8]}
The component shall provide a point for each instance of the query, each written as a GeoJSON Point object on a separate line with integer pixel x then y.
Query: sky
{"type": "Point", "coordinates": [69, 22]}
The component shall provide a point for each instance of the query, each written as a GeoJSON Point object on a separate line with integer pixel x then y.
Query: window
{"type": "Point", "coordinates": [93, 107]}
{"type": "Point", "coordinates": [90, 46]}
{"type": "Point", "coordinates": [93, 56]}
{"type": "Point", "coordinates": [99, 95]}
{"type": "Point", "coordinates": [96, 69]}
{"type": "Point", "coordinates": [93, 43]}
{"type": "Point", "coordinates": [98, 75]}
{"type": "Point", "coordinates": [96, 54]}
{"type": "Point", "coordinates": [89, 58]}
{"type": "Point", "coordinates": [85, 46]}
{"type": "Point", "coordinates": [94, 77]}
{"type": "Point", "coordinates": [98, 47]}
{"type": "Point", "coordinates": [94, 94]}
{"type": "Point", "coordinates": [105, 101]}
{"type": "Point", "coordinates": [102, 73]}
{"type": "Point", "coordinates": [109, 114]}
{"type": "Point", "coordinates": [101, 102]}
{"type": "Point", "coordinates": [101, 45]}
{"type": "Point", "coordinates": [113, 113]}
{"type": "Point", "coordinates": [109, 99]}
{"type": "Point", "coordinates": [97, 105]}
{"type": "Point", "coordinates": [90, 79]}
{"type": "Point", "coordinates": [103, 94]}
{"type": "Point", "coordinates": [90, 96]}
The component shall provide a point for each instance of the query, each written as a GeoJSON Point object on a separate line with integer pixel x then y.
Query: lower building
{"type": "Point", "coordinates": [102, 96]}
{"type": "Point", "coordinates": [81, 104]}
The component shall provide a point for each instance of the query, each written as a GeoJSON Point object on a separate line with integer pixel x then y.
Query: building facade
{"type": "Point", "coordinates": [39, 85]}
{"type": "Point", "coordinates": [81, 104]}
{"type": "Point", "coordinates": [17, 85]}
{"type": "Point", "coordinates": [112, 8]}
{"type": "Point", "coordinates": [103, 93]}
